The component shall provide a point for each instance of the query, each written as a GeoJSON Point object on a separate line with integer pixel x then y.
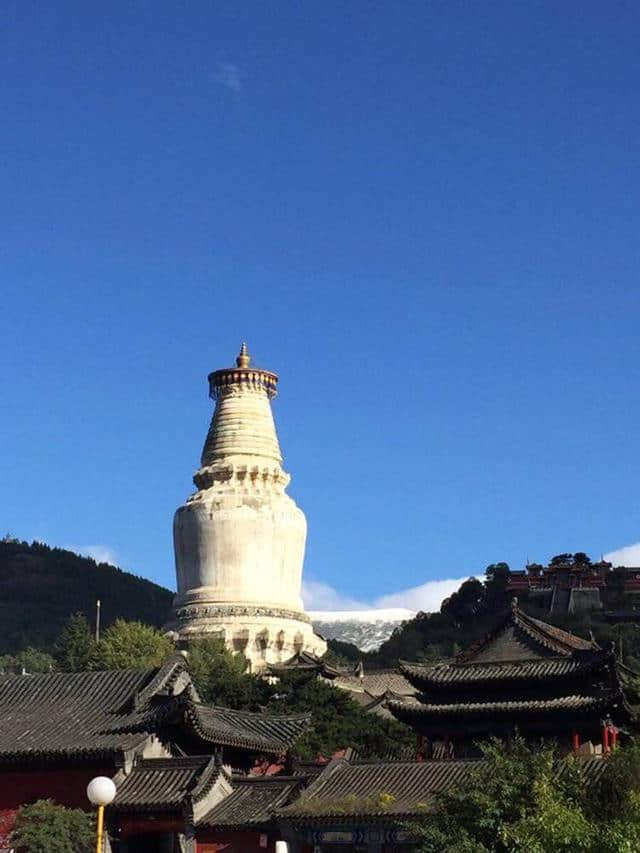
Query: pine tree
{"type": "Point", "coordinates": [221, 678]}
{"type": "Point", "coordinates": [76, 644]}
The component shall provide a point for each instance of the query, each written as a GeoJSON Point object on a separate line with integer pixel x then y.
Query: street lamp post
{"type": "Point", "coordinates": [100, 791]}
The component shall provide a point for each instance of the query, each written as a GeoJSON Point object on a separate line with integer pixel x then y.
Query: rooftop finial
{"type": "Point", "coordinates": [243, 359]}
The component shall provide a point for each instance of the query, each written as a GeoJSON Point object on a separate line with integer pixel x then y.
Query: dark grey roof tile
{"type": "Point", "coordinates": [405, 710]}
{"type": "Point", "coordinates": [427, 676]}
{"type": "Point", "coordinates": [264, 732]}
{"type": "Point", "coordinates": [377, 788]}
{"type": "Point", "coordinates": [162, 784]}
{"type": "Point", "coordinates": [253, 802]}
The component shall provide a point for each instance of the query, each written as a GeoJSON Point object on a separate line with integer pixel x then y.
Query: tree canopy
{"type": "Point", "coordinates": [44, 827]}
{"type": "Point", "coordinates": [337, 721]}
{"type": "Point", "coordinates": [29, 660]}
{"type": "Point", "coordinates": [130, 645]}
{"type": "Point", "coordinates": [522, 798]}
{"type": "Point", "coordinates": [220, 676]}
{"type": "Point", "coordinates": [52, 583]}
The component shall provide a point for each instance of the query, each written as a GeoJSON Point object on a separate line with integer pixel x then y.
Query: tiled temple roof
{"type": "Point", "coordinates": [262, 732]}
{"type": "Point", "coordinates": [391, 788]}
{"type": "Point", "coordinates": [90, 715]}
{"type": "Point", "coordinates": [408, 711]}
{"type": "Point", "coordinates": [87, 714]}
{"type": "Point", "coordinates": [343, 790]}
{"type": "Point", "coordinates": [253, 802]}
{"type": "Point", "coordinates": [523, 671]}
{"type": "Point", "coordinates": [302, 662]}
{"type": "Point", "coordinates": [162, 784]}
{"type": "Point", "coordinates": [428, 676]}
{"type": "Point", "coordinates": [544, 640]}
{"type": "Point", "coordinates": [376, 683]}
{"type": "Point", "coordinates": [551, 635]}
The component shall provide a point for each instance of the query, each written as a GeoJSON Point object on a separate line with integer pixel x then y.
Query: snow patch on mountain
{"type": "Point", "coordinates": [366, 629]}
{"type": "Point", "coordinates": [373, 614]}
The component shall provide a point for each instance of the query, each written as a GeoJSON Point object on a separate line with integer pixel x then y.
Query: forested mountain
{"type": "Point", "coordinates": [41, 586]}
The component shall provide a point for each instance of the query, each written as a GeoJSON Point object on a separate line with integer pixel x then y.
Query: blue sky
{"type": "Point", "coordinates": [423, 215]}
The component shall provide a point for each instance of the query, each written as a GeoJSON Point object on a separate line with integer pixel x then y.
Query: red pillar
{"type": "Point", "coordinates": [605, 738]}
{"type": "Point", "coordinates": [614, 737]}
{"type": "Point", "coordinates": [419, 748]}
{"type": "Point", "coordinates": [575, 740]}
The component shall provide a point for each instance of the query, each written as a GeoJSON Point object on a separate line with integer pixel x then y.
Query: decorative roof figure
{"type": "Point", "coordinates": [240, 539]}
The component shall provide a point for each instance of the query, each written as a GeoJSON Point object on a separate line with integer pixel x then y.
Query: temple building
{"type": "Point", "coordinates": [189, 776]}
{"type": "Point", "coordinates": [572, 584]}
{"type": "Point", "coordinates": [240, 539]}
{"type": "Point", "coordinates": [526, 676]}
{"type": "Point", "coordinates": [564, 586]}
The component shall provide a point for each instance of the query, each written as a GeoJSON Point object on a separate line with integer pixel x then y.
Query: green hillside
{"type": "Point", "coordinates": [41, 586]}
{"type": "Point", "coordinates": [472, 610]}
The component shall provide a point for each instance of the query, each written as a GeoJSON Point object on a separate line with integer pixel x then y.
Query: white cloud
{"type": "Point", "coordinates": [320, 596]}
{"type": "Point", "coordinates": [428, 597]}
{"type": "Point", "coordinates": [100, 553]}
{"type": "Point", "coordinates": [229, 75]}
{"type": "Point", "coordinates": [628, 555]}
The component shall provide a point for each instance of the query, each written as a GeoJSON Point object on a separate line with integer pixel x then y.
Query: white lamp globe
{"type": "Point", "coordinates": [101, 791]}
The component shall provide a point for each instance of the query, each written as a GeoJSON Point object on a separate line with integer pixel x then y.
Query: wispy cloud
{"type": "Point", "coordinates": [99, 553]}
{"type": "Point", "coordinates": [628, 555]}
{"type": "Point", "coordinates": [428, 596]}
{"type": "Point", "coordinates": [228, 74]}
{"type": "Point", "coordinates": [321, 596]}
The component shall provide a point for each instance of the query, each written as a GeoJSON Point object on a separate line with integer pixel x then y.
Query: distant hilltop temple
{"type": "Point", "coordinates": [571, 583]}
{"type": "Point", "coordinates": [240, 539]}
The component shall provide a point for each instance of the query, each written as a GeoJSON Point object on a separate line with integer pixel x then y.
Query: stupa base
{"type": "Point", "coordinates": [264, 635]}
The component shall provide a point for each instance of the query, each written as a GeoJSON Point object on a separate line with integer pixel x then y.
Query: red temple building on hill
{"type": "Point", "coordinates": [571, 583]}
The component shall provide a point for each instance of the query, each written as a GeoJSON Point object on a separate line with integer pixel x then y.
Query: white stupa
{"type": "Point", "coordinates": [240, 539]}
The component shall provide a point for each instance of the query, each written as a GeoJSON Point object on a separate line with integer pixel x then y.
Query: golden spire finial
{"type": "Point", "coordinates": [243, 359]}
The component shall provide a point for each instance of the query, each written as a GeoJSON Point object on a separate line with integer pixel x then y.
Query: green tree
{"type": "Point", "coordinates": [525, 799]}
{"type": "Point", "coordinates": [609, 797]}
{"type": "Point", "coordinates": [621, 834]}
{"type": "Point", "coordinates": [220, 676]}
{"type": "Point", "coordinates": [29, 660]}
{"type": "Point", "coordinates": [340, 653]}
{"type": "Point", "coordinates": [44, 827]}
{"type": "Point", "coordinates": [556, 823]}
{"type": "Point", "coordinates": [337, 721]}
{"type": "Point", "coordinates": [514, 800]}
{"type": "Point", "coordinates": [464, 605]}
{"type": "Point", "coordinates": [75, 646]}
{"type": "Point", "coordinates": [561, 560]}
{"type": "Point", "coordinates": [130, 645]}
